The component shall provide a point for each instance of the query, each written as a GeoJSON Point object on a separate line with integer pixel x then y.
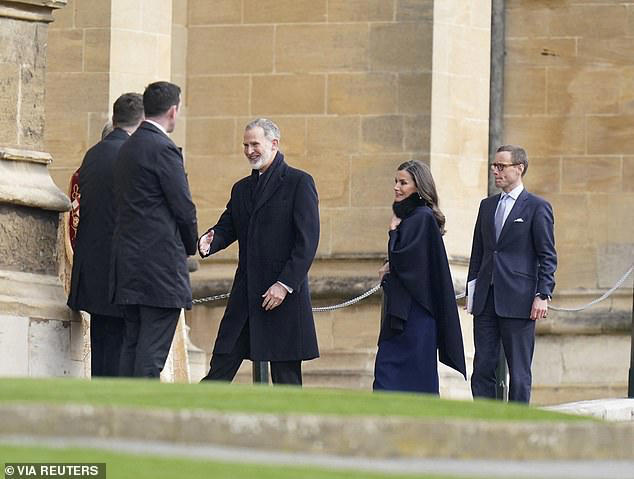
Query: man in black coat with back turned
{"type": "Point", "coordinates": [155, 231]}
{"type": "Point", "coordinates": [274, 215]}
{"type": "Point", "coordinates": [91, 259]}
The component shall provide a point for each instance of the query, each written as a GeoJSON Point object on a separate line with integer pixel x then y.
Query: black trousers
{"type": "Point", "coordinates": [148, 336]}
{"type": "Point", "coordinates": [223, 367]}
{"type": "Point", "coordinates": [106, 339]}
{"type": "Point", "coordinates": [518, 338]}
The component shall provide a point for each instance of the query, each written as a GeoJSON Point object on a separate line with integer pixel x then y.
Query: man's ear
{"type": "Point", "coordinates": [275, 142]}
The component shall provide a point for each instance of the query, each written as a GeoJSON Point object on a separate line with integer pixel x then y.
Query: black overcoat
{"type": "Point", "coordinates": [156, 225]}
{"type": "Point", "coordinates": [419, 271]}
{"type": "Point", "coordinates": [277, 229]}
{"type": "Point", "coordinates": [91, 259]}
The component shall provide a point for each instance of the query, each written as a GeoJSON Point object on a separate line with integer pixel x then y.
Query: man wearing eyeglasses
{"type": "Point", "coordinates": [513, 259]}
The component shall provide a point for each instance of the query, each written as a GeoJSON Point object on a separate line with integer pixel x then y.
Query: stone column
{"type": "Point", "coordinates": [460, 115]}
{"type": "Point", "coordinates": [37, 335]}
{"type": "Point", "coordinates": [459, 131]}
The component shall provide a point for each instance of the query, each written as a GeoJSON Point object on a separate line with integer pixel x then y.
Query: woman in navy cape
{"type": "Point", "coordinates": [420, 315]}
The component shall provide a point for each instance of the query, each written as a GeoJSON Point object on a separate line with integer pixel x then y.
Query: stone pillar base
{"type": "Point", "coordinates": [39, 335]}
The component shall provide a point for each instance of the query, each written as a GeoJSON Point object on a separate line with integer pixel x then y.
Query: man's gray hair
{"type": "Point", "coordinates": [271, 130]}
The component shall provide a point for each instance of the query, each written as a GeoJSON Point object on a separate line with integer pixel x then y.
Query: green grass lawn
{"type": "Point", "coordinates": [129, 466]}
{"type": "Point", "coordinates": [261, 399]}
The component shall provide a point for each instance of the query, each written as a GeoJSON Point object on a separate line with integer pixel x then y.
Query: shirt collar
{"type": "Point", "coordinates": [515, 192]}
{"type": "Point", "coordinates": [159, 126]}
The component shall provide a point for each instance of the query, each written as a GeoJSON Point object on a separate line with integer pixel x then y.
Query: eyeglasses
{"type": "Point", "coordinates": [501, 166]}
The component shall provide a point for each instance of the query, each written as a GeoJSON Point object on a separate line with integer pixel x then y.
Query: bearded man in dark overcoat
{"type": "Point", "coordinates": [273, 214]}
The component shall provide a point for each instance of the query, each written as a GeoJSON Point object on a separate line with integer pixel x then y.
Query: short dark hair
{"type": "Point", "coordinates": [518, 155]}
{"type": "Point", "coordinates": [159, 97]}
{"type": "Point", "coordinates": [127, 110]}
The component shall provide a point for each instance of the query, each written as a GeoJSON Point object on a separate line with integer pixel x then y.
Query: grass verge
{"type": "Point", "coordinates": [261, 399]}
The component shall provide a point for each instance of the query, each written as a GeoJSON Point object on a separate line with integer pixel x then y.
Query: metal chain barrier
{"type": "Point", "coordinates": [599, 299]}
{"type": "Point", "coordinates": [374, 289]}
{"type": "Point", "coordinates": [350, 302]}
{"type": "Point", "coordinates": [211, 298]}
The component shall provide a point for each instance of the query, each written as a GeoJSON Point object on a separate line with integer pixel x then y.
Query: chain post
{"type": "Point", "coordinates": [260, 372]}
{"type": "Point", "coordinates": [630, 384]}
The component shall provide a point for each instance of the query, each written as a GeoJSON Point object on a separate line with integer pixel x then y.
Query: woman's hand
{"type": "Point", "coordinates": [395, 222]}
{"type": "Point", "coordinates": [383, 270]}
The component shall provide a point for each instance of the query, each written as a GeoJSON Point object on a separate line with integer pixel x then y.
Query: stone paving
{"type": "Point", "coordinates": [464, 468]}
{"type": "Point", "coordinates": [616, 409]}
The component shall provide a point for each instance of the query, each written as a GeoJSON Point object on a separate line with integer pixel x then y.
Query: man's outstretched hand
{"type": "Point", "coordinates": [204, 243]}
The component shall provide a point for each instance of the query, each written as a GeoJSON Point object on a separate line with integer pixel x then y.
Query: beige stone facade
{"type": "Point", "coordinates": [357, 87]}
{"type": "Point", "coordinates": [349, 109]}
{"type": "Point", "coordinates": [38, 336]}
{"type": "Point", "coordinates": [97, 50]}
{"type": "Point", "coordinates": [568, 99]}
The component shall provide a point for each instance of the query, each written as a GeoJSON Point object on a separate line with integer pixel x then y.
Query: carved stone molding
{"type": "Point", "coordinates": [25, 180]}
{"type": "Point", "coordinates": [30, 10]}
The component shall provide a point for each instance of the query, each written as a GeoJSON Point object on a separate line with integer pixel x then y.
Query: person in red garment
{"type": "Point", "coordinates": [90, 236]}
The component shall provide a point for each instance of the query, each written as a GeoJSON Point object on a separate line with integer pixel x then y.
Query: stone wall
{"type": "Point", "coordinates": [22, 67]}
{"type": "Point", "coordinates": [179, 66]}
{"type": "Point", "coordinates": [349, 108]}
{"type": "Point", "coordinates": [98, 50]}
{"type": "Point", "coordinates": [77, 82]}
{"type": "Point", "coordinates": [569, 99]}
{"type": "Point", "coordinates": [37, 335]}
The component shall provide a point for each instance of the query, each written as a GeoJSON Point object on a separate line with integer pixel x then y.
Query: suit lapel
{"type": "Point", "coordinates": [272, 183]}
{"type": "Point", "coordinates": [516, 212]}
{"type": "Point", "coordinates": [490, 215]}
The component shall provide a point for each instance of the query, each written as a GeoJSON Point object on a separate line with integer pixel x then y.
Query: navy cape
{"type": "Point", "coordinates": [419, 271]}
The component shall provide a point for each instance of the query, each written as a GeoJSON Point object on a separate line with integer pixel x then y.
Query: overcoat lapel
{"type": "Point", "coordinates": [273, 182]}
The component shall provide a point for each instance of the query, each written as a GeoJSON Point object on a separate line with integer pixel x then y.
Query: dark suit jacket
{"type": "Point", "coordinates": [277, 229]}
{"type": "Point", "coordinates": [521, 263]}
{"type": "Point", "coordinates": [156, 223]}
{"type": "Point", "coordinates": [91, 260]}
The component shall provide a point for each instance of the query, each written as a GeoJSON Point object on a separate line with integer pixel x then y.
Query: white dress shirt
{"type": "Point", "coordinates": [159, 126]}
{"type": "Point", "coordinates": [510, 202]}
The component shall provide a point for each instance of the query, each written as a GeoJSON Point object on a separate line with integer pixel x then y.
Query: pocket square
{"type": "Point", "coordinates": [518, 220]}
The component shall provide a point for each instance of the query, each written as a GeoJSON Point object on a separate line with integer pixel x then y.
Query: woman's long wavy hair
{"type": "Point", "coordinates": [426, 188]}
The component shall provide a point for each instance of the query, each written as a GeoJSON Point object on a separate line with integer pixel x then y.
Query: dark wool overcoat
{"type": "Point", "coordinates": [156, 225]}
{"type": "Point", "coordinates": [91, 259]}
{"type": "Point", "coordinates": [275, 220]}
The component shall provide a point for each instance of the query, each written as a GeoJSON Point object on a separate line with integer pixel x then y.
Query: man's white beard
{"type": "Point", "coordinates": [263, 160]}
